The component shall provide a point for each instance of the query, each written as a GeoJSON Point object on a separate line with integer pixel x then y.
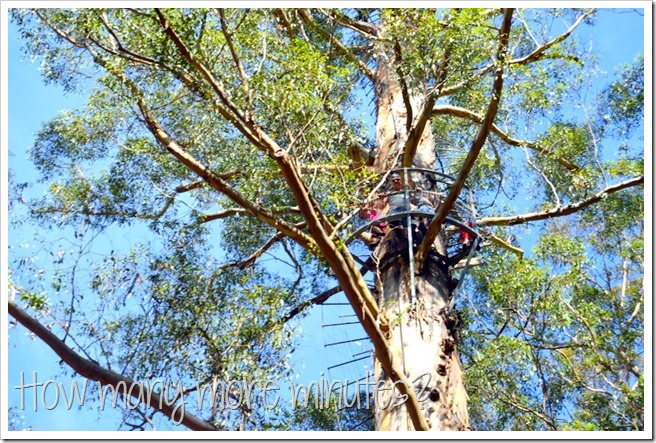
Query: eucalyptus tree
{"type": "Point", "coordinates": [251, 119]}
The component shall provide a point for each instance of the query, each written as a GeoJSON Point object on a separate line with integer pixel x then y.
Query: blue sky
{"type": "Point", "coordinates": [31, 103]}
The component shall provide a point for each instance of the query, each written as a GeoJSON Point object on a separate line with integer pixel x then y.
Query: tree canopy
{"type": "Point", "coordinates": [199, 203]}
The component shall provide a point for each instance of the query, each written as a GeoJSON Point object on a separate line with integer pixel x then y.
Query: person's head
{"type": "Point", "coordinates": [396, 181]}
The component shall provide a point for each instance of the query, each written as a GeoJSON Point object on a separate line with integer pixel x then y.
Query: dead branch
{"type": "Point", "coordinates": [321, 298]}
{"type": "Point", "coordinates": [504, 244]}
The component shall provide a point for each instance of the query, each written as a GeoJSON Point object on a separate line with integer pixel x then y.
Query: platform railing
{"type": "Point", "coordinates": [423, 190]}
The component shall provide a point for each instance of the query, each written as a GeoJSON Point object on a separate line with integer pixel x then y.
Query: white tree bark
{"type": "Point", "coordinates": [422, 328]}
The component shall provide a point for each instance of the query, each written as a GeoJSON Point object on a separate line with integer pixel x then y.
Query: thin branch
{"type": "Point", "coordinates": [255, 255]}
{"type": "Point", "coordinates": [229, 110]}
{"type": "Point", "coordinates": [312, 168]}
{"type": "Point", "coordinates": [470, 115]}
{"type": "Point", "coordinates": [477, 145]}
{"type": "Point", "coordinates": [190, 186]}
{"type": "Point", "coordinates": [355, 150]}
{"type": "Point", "coordinates": [307, 18]}
{"type": "Point", "coordinates": [544, 177]}
{"type": "Point", "coordinates": [547, 421]}
{"type": "Point", "coordinates": [536, 55]}
{"type": "Point", "coordinates": [126, 214]}
{"type": "Point", "coordinates": [93, 371]}
{"type": "Point", "coordinates": [297, 267]}
{"type": "Point", "coordinates": [634, 314]}
{"type": "Point", "coordinates": [241, 211]}
{"type": "Point", "coordinates": [560, 211]}
{"type": "Point", "coordinates": [301, 132]}
{"type": "Point", "coordinates": [539, 52]}
{"type": "Point", "coordinates": [281, 15]}
{"type": "Point", "coordinates": [240, 67]}
{"type": "Point", "coordinates": [122, 50]}
{"type": "Point", "coordinates": [363, 28]}
{"type": "Point", "coordinates": [261, 250]}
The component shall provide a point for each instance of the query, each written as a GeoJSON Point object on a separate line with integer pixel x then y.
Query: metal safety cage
{"type": "Point", "coordinates": [413, 203]}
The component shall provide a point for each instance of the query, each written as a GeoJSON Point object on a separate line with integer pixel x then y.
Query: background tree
{"type": "Point", "coordinates": [241, 125]}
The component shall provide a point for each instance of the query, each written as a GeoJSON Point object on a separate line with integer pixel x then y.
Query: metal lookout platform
{"type": "Point", "coordinates": [408, 202]}
{"type": "Point", "coordinates": [395, 219]}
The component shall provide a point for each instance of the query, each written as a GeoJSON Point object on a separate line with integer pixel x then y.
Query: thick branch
{"type": "Point", "coordinates": [226, 213]}
{"type": "Point", "coordinates": [417, 130]}
{"type": "Point", "coordinates": [477, 145]}
{"type": "Point", "coordinates": [338, 257]}
{"type": "Point", "coordinates": [339, 260]}
{"type": "Point", "coordinates": [405, 93]}
{"type": "Point", "coordinates": [504, 244]}
{"type": "Point", "coordinates": [562, 210]}
{"type": "Point", "coordinates": [470, 115]}
{"type": "Point", "coordinates": [309, 208]}
{"type": "Point", "coordinates": [93, 371]}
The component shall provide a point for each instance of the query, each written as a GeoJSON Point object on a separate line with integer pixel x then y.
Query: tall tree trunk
{"type": "Point", "coordinates": [423, 330]}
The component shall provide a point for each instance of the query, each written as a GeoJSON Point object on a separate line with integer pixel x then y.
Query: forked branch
{"type": "Point", "coordinates": [537, 54]}
{"type": "Point", "coordinates": [457, 111]}
{"type": "Point", "coordinates": [91, 370]}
